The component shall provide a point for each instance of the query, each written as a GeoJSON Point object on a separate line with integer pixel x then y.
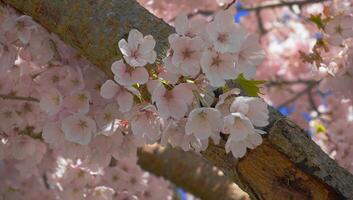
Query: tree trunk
{"type": "Point", "coordinates": [288, 165]}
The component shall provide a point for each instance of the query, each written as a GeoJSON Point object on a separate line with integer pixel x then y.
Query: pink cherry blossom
{"type": "Point", "coordinates": [146, 123]}
{"type": "Point", "coordinates": [124, 98]}
{"type": "Point", "coordinates": [174, 102]}
{"type": "Point", "coordinates": [78, 128]}
{"type": "Point", "coordinates": [126, 75]}
{"type": "Point", "coordinates": [107, 119]}
{"type": "Point", "coordinates": [22, 26]}
{"type": "Point", "coordinates": [218, 67]}
{"type": "Point", "coordinates": [51, 101]}
{"type": "Point", "coordinates": [186, 27]}
{"type": "Point", "coordinates": [53, 135]}
{"type": "Point", "coordinates": [186, 55]}
{"type": "Point", "coordinates": [22, 147]}
{"type": "Point", "coordinates": [101, 193]}
{"type": "Point", "coordinates": [224, 34]}
{"type": "Point", "coordinates": [78, 101]}
{"type": "Point", "coordinates": [339, 29]}
{"type": "Point", "coordinates": [8, 56]}
{"type": "Point", "coordinates": [138, 50]}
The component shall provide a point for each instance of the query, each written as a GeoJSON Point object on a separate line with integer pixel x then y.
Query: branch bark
{"type": "Point", "coordinates": [288, 165]}
{"type": "Point", "coordinates": [190, 171]}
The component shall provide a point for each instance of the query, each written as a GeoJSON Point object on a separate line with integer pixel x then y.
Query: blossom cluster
{"type": "Point", "coordinates": [51, 112]}
{"type": "Point", "coordinates": [176, 102]}
{"type": "Point", "coordinates": [56, 107]}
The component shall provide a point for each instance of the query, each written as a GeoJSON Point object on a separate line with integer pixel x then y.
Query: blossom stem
{"type": "Point", "coordinates": [19, 98]}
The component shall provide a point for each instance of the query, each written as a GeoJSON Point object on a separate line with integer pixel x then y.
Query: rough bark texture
{"type": "Point", "coordinates": [191, 171]}
{"type": "Point", "coordinates": [288, 165]}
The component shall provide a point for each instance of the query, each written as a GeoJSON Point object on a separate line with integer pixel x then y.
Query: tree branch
{"type": "Point", "coordinates": [18, 98]}
{"type": "Point", "coordinates": [281, 4]}
{"type": "Point", "coordinates": [189, 170]}
{"type": "Point", "coordinates": [287, 165]}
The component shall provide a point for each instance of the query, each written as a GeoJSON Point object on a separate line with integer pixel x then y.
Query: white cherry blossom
{"type": "Point", "coordinates": [138, 50]}
{"type": "Point", "coordinates": [253, 108]}
{"type": "Point", "coordinates": [225, 100]}
{"type": "Point", "coordinates": [204, 122]}
{"type": "Point", "coordinates": [238, 126]}
{"type": "Point", "coordinates": [250, 56]}
{"type": "Point", "coordinates": [238, 148]}
{"type": "Point", "coordinates": [78, 128]}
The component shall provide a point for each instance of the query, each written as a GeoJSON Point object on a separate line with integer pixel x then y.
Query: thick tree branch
{"type": "Point", "coordinates": [189, 170]}
{"type": "Point", "coordinates": [288, 165]}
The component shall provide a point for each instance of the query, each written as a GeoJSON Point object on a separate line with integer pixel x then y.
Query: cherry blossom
{"type": "Point", "coordinates": [78, 101]}
{"type": "Point", "coordinates": [187, 55]}
{"type": "Point", "coordinates": [253, 108]}
{"type": "Point", "coordinates": [138, 50]}
{"type": "Point", "coordinates": [172, 102]}
{"type": "Point", "coordinates": [218, 67]}
{"type": "Point", "coordinates": [8, 55]}
{"type": "Point", "coordinates": [250, 56]}
{"type": "Point", "coordinates": [22, 26]}
{"type": "Point", "coordinates": [78, 128]}
{"type": "Point", "coordinates": [126, 75]}
{"type": "Point", "coordinates": [204, 122]}
{"type": "Point", "coordinates": [238, 148]}
{"type": "Point", "coordinates": [224, 34]}
{"type": "Point", "coordinates": [339, 28]}
{"type": "Point", "coordinates": [124, 98]}
{"type": "Point", "coordinates": [186, 27]}
{"type": "Point", "coordinates": [51, 101]}
{"type": "Point", "coordinates": [146, 123]}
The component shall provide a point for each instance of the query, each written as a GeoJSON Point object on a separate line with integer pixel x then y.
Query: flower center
{"type": "Point", "coordinates": [82, 124]}
{"type": "Point", "coordinates": [82, 97]}
{"type": "Point", "coordinates": [168, 95]}
{"type": "Point", "coordinates": [216, 61]}
{"type": "Point", "coordinates": [187, 53]}
{"type": "Point", "coordinates": [135, 54]}
{"type": "Point", "coordinates": [222, 37]}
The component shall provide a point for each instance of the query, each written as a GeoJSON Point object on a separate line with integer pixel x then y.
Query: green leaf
{"type": "Point", "coordinates": [316, 19]}
{"type": "Point", "coordinates": [250, 87]}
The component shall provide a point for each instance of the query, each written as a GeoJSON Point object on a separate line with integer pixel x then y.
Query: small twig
{"type": "Point", "coordinates": [230, 4]}
{"type": "Point", "coordinates": [308, 90]}
{"type": "Point", "coordinates": [260, 24]}
{"type": "Point", "coordinates": [280, 83]}
{"type": "Point", "coordinates": [19, 98]}
{"type": "Point", "coordinates": [281, 4]}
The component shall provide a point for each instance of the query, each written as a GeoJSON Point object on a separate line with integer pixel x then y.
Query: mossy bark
{"type": "Point", "coordinates": [288, 165]}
